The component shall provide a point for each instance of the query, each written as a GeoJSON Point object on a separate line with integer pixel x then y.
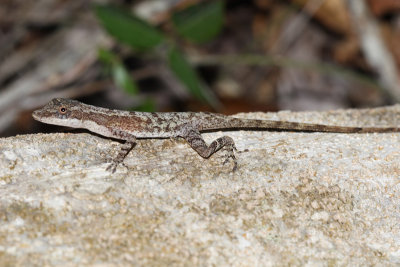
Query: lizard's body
{"type": "Point", "coordinates": [128, 126]}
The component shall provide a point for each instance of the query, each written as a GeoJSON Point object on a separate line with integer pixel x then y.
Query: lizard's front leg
{"type": "Point", "coordinates": [193, 137]}
{"type": "Point", "coordinates": [126, 147]}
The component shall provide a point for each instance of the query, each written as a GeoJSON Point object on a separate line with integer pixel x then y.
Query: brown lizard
{"type": "Point", "coordinates": [129, 126]}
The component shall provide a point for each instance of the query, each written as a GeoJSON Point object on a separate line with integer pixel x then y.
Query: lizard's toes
{"type": "Point", "coordinates": [234, 162]}
{"type": "Point", "coordinates": [231, 155]}
{"type": "Point", "coordinates": [112, 167]}
{"type": "Point", "coordinates": [235, 165]}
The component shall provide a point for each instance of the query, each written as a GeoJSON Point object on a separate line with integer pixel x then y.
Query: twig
{"type": "Point", "coordinates": [375, 50]}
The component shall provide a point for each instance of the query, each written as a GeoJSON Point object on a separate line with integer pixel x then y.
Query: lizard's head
{"type": "Point", "coordinates": [59, 111]}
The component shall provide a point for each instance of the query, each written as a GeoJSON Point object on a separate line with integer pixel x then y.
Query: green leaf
{"type": "Point", "coordinates": [119, 73]}
{"type": "Point", "coordinates": [106, 56]}
{"type": "Point", "coordinates": [147, 105]}
{"type": "Point", "coordinates": [128, 28]}
{"type": "Point", "coordinates": [188, 76]}
{"type": "Point", "coordinates": [123, 79]}
{"type": "Point", "coordinates": [200, 23]}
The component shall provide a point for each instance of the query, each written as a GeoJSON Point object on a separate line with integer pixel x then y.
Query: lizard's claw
{"type": "Point", "coordinates": [112, 167]}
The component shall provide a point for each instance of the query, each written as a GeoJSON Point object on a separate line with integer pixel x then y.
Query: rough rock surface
{"type": "Point", "coordinates": [296, 198]}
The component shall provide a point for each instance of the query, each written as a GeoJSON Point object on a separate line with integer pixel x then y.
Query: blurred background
{"type": "Point", "coordinates": [191, 55]}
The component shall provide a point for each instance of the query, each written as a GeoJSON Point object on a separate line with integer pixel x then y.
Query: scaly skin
{"type": "Point", "coordinates": [128, 126]}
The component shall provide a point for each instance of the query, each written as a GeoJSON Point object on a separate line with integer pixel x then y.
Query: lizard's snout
{"type": "Point", "coordinates": [36, 114]}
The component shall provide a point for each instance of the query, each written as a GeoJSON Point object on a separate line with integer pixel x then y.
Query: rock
{"type": "Point", "coordinates": [296, 198]}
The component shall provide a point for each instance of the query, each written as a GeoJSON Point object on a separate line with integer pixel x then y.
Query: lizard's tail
{"type": "Point", "coordinates": [303, 127]}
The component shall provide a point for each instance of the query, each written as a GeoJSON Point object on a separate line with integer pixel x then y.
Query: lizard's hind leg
{"type": "Point", "coordinates": [193, 137]}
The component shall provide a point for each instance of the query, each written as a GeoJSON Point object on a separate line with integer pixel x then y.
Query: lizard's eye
{"type": "Point", "coordinates": [62, 110]}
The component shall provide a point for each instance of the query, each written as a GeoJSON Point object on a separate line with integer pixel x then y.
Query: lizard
{"type": "Point", "coordinates": [130, 126]}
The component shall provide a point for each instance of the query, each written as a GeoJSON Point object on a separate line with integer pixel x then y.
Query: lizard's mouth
{"type": "Point", "coordinates": [39, 115]}
{"type": "Point", "coordinates": [36, 114]}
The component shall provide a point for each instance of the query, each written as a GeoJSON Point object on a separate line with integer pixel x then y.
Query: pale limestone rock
{"type": "Point", "coordinates": [296, 198]}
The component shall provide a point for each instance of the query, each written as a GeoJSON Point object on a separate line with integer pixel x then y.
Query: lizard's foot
{"type": "Point", "coordinates": [231, 148]}
{"type": "Point", "coordinates": [112, 167]}
{"type": "Point", "coordinates": [235, 164]}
